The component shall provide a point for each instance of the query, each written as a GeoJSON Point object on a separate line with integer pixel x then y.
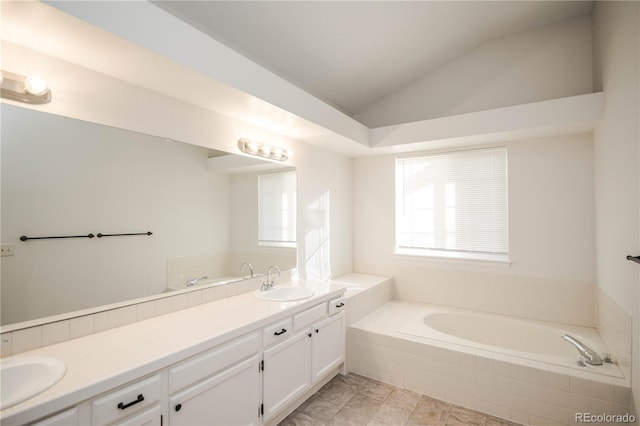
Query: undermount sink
{"type": "Point", "coordinates": [284, 294]}
{"type": "Point", "coordinates": [24, 377]}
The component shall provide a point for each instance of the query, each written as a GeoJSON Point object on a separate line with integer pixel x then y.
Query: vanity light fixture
{"type": "Point", "coordinates": [252, 147]}
{"type": "Point", "coordinates": [28, 89]}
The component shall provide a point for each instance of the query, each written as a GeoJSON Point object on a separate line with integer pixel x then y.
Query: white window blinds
{"type": "Point", "coordinates": [277, 217]}
{"type": "Point", "coordinates": [454, 202]}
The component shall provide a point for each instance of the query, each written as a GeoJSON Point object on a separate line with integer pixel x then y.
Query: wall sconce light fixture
{"type": "Point", "coordinates": [252, 147]}
{"type": "Point", "coordinates": [27, 89]}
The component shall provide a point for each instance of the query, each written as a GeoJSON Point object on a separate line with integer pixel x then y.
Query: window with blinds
{"type": "Point", "coordinates": [453, 204]}
{"type": "Point", "coordinates": [277, 212]}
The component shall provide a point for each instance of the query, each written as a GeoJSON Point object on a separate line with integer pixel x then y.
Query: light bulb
{"type": "Point", "coordinates": [35, 85]}
{"type": "Point", "coordinates": [252, 147]}
{"type": "Point", "coordinates": [264, 150]}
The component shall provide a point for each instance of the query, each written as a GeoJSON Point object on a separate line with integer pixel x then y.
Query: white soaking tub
{"type": "Point", "coordinates": [520, 370]}
{"type": "Point", "coordinates": [529, 339]}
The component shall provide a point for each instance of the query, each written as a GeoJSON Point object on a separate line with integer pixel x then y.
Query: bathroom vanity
{"type": "Point", "coordinates": [239, 360]}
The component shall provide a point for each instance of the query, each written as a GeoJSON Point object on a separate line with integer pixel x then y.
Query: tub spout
{"type": "Point", "coordinates": [590, 356]}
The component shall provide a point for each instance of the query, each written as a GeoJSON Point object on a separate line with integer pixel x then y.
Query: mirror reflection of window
{"type": "Point", "coordinates": [277, 217]}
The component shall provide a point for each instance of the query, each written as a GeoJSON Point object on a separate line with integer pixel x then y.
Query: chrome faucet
{"type": "Point", "coordinates": [250, 268]}
{"type": "Point", "coordinates": [194, 281]}
{"type": "Point", "coordinates": [590, 356]}
{"type": "Point", "coordinates": [269, 283]}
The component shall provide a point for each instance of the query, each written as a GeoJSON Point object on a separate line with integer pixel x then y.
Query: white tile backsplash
{"type": "Point", "coordinates": [55, 332]}
{"type": "Point", "coordinates": [22, 340]}
{"type": "Point", "coordinates": [80, 326]}
{"type": "Point", "coordinates": [26, 339]}
{"type": "Point", "coordinates": [126, 315]}
{"type": "Point", "coordinates": [194, 298]}
{"type": "Point", "coordinates": [105, 320]}
{"type": "Point", "coordinates": [5, 344]}
{"type": "Point", "coordinates": [145, 310]}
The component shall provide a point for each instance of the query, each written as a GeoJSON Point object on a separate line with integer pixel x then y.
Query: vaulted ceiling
{"type": "Point", "coordinates": [352, 53]}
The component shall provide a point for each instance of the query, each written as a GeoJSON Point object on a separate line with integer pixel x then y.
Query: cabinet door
{"type": "Point", "coordinates": [229, 398]}
{"type": "Point", "coordinates": [286, 373]}
{"type": "Point", "coordinates": [327, 346]}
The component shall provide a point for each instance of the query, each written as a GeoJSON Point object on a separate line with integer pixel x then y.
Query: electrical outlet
{"type": "Point", "coordinates": [7, 250]}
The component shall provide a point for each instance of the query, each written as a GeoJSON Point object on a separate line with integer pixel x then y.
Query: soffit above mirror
{"type": "Point", "coordinates": [46, 29]}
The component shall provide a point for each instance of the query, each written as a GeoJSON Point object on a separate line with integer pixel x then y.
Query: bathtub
{"type": "Point", "coordinates": [528, 339]}
{"type": "Point", "coordinates": [515, 369]}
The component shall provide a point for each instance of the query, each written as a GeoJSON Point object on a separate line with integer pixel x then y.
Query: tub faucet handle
{"type": "Point", "coordinates": [581, 361]}
{"type": "Point", "coordinates": [606, 357]}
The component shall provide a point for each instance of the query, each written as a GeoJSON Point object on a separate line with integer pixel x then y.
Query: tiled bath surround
{"type": "Point", "coordinates": [522, 391]}
{"type": "Point", "coordinates": [614, 326]}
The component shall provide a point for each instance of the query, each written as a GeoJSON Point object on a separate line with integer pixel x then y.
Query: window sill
{"type": "Point", "coordinates": [276, 244]}
{"type": "Point", "coordinates": [500, 259]}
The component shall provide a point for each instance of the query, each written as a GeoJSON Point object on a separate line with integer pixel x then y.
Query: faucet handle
{"type": "Point", "coordinates": [606, 357]}
{"type": "Point", "coordinates": [581, 361]}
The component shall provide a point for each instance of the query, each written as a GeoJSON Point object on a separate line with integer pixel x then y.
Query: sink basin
{"type": "Point", "coordinates": [24, 377]}
{"type": "Point", "coordinates": [284, 294]}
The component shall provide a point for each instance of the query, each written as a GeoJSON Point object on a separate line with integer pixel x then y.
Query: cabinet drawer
{"type": "Point", "coordinates": [211, 362]}
{"type": "Point", "coordinates": [337, 305]}
{"type": "Point", "coordinates": [276, 332]}
{"type": "Point", "coordinates": [150, 417]}
{"type": "Point", "coordinates": [126, 401]}
{"type": "Point", "coordinates": [309, 316]}
{"type": "Point", "coordinates": [68, 417]}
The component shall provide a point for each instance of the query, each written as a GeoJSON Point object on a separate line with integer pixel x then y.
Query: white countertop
{"type": "Point", "coordinates": [105, 360]}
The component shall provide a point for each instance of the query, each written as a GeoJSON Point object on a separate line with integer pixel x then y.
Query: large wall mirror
{"type": "Point", "coordinates": [65, 177]}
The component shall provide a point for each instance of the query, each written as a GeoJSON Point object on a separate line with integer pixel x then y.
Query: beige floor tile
{"type": "Point", "coordinates": [322, 410]}
{"type": "Point", "coordinates": [404, 398]}
{"type": "Point", "coordinates": [355, 400]}
{"type": "Point", "coordinates": [338, 394]}
{"type": "Point", "coordinates": [298, 418]}
{"type": "Point", "coordinates": [352, 380]}
{"type": "Point", "coordinates": [429, 412]}
{"type": "Point", "coordinates": [494, 421]}
{"type": "Point", "coordinates": [357, 412]}
{"type": "Point", "coordinates": [389, 414]}
{"type": "Point", "coordinates": [376, 390]}
{"type": "Point", "coordinates": [459, 416]}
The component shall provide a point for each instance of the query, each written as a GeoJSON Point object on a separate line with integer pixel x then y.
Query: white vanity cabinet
{"type": "Point", "coordinates": [249, 379]}
{"type": "Point", "coordinates": [220, 387]}
{"type": "Point", "coordinates": [292, 366]}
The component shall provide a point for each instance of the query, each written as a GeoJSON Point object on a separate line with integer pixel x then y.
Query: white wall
{"type": "Point", "coordinates": [546, 63]}
{"type": "Point", "coordinates": [551, 238]}
{"type": "Point", "coordinates": [62, 176]}
{"type": "Point", "coordinates": [325, 213]}
{"type": "Point", "coordinates": [617, 176]}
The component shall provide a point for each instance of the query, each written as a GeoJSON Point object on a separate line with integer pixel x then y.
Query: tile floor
{"type": "Point", "coordinates": [360, 401]}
